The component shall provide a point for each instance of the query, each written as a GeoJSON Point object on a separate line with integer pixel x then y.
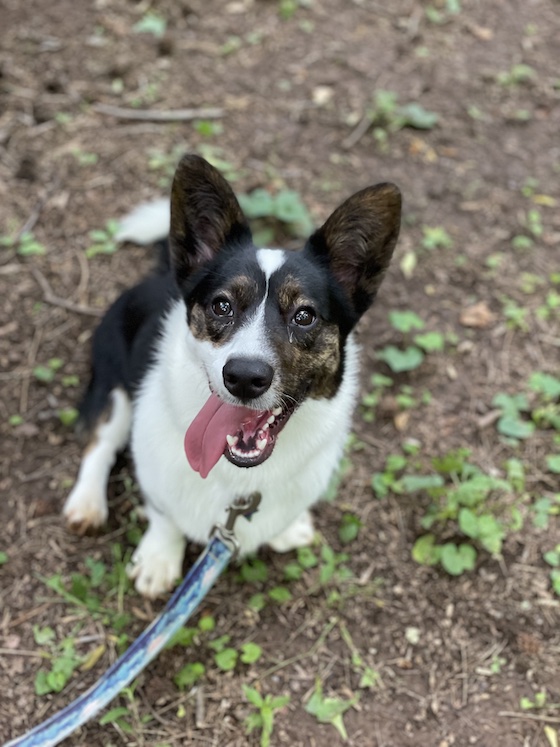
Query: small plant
{"type": "Point", "coordinates": [46, 373]}
{"type": "Point", "coordinates": [371, 400]}
{"type": "Point", "coordinates": [435, 237]}
{"type": "Point", "coordinates": [62, 657]}
{"type": "Point", "coordinates": [151, 23]}
{"type": "Point", "coordinates": [516, 75]}
{"type": "Point", "coordinates": [330, 710]}
{"type": "Point", "coordinates": [512, 422]}
{"type": "Point", "coordinates": [387, 116]}
{"type": "Point", "coordinates": [103, 240]}
{"type": "Point", "coordinates": [208, 127]}
{"type": "Point", "coordinates": [268, 210]}
{"type": "Point", "coordinates": [410, 357]}
{"type": "Point", "coordinates": [266, 708]}
{"type": "Point", "coordinates": [552, 557]}
{"type": "Point", "coordinates": [26, 246]}
{"type": "Point", "coordinates": [85, 158]}
{"type": "Point", "coordinates": [463, 501]}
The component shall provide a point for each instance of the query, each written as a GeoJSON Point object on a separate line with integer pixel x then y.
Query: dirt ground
{"type": "Point", "coordinates": [450, 658]}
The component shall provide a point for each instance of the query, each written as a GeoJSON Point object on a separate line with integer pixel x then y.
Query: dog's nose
{"type": "Point", "coordinates": [247, 378]}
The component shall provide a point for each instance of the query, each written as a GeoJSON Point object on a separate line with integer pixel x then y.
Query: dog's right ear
{"type": "Point", "coordinates": [205, 215]}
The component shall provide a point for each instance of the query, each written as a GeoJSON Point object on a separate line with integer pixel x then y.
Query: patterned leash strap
{"type": "Point", "coordinates": [196, 584]}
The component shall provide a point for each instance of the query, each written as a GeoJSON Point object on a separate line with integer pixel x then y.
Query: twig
{"type": "Point", "coordinates": [358, 132]}
{"type": "Point", "coordinates": [155, 115]}
{"type": "Point", "coordinates": [50, 297]}
{"type": "Point", "coordinates": [530, 717]}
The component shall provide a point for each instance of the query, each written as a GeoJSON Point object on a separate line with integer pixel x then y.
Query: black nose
{"type": "Point", "coordinates": [247, 378]}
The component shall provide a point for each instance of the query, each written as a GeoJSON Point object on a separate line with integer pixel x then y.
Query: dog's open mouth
{"type": "Point", "coordinates": [244, 436]}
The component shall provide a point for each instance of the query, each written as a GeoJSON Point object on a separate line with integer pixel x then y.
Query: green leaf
{"type": "Point", "coordinates": [151, 23]}
{"type": "Point", "coordinates": [545, 384]}
{"type": "Point", "coordinates": [430, 342]}
{"type": "Point", "coordinates": [414, 483]}
{"type": "Point", "coordinates": [414, 115]}
{"type": "Point", "coordinates": [68, 416]}
{"type": "Point", "coordinates": [468, 523]}
{"type": "Point", "coordinates": [183, 637]}
{"type": "Point", "coordinates": [257, 204]}
{"type": "Point", "coordinates": [405, 321]}
{"type": "Point", "coordinates": [206, 624]}
{"type": "Point", "coordinates": [114, 715]}
{"type": "Point", "coordinates": [293, 571]}
{"type": "Point", "coordinates": [280, 594]}
{"type": "Point", "coordinates": [349, 528]}
{"type": "Point", "coordinates": [329, 710]}
{"type": "Point", "coordinates": [226, 659]}
{"type": "Point", "coordinates": [425, 551]}
{"type": "Point", "coordinates": [44, 635]}
{"type": "Point", "coordinates": [306, 557]}
{"type": "Point", "coordinates": [43, 373]}
{"type": "Point", "coordinates": [189, 675]}
{"type": "Point", "coordinates": [553, 463]}
{"type": "Point", "coordinates": [257, 602]}
{"type": "Point", "coordinates": [253, 696]}
{"type": "Point", "coordinates": [456, 560]}
{"type": "Point", "coordinates": [250, 653]}
{"type": "Point", "coordinates": [254, 571]}
{"type": "Point", "coordinates": [3, 557]}
{"type": "Point", "coordinates": [514, 427]}
{"type": "Point", "coordinates": [401, 360]}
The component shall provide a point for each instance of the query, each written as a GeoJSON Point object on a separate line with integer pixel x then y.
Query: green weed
{"type": "Point", "coordinates": [266, 708]}
{"type": "Point", "coordinates": [268, 211]}
{"type": "Point", "coordinates": [151, 23]}
{"type": "Point", "coordinates": [330, 710]}
{"type": "Point", "coordinates": [103, 240]}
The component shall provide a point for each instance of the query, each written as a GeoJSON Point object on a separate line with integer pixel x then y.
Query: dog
{"type": "Point", "coordinates": [230, 369]}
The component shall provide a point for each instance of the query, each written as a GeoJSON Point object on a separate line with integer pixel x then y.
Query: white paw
{"type": "Point", "coordinates": [298, 534]}
{"type": "Point", "coordinates": [156, 564]}
{"type": "Point", "coordinates": [85, 508]}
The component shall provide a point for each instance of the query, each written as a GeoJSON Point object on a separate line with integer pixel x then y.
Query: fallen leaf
{"type": "Point", "coordinates": [482, 33]}
{"type": "Point", "coordinates": [401, 420]}
{"type": "Point", "coordinates": [478, 316]}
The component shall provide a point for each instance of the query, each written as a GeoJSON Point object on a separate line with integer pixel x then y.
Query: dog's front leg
{"type": "Point", "coordinates": [157, 561]}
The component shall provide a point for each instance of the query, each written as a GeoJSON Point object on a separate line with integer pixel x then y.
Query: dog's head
{"type": "Point", "coordinates": [270, 325]}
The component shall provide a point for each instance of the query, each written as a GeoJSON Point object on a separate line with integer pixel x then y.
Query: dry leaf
{"type": "Point", "coordinates": [478, 316]}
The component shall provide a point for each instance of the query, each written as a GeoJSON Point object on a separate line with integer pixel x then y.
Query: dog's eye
{"type": "Point", "coordinates": [222, 307]}
{"type": "Point", "coordinates": [304, 317]}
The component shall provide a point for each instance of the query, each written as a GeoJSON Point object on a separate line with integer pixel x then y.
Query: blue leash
{"type": "Point", "coordinates": [186, 598]}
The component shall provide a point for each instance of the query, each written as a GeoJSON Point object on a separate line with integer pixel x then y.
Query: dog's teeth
{"type": "Point", "coordinates": [232, 440]}
{"type": "Point", "coordinates": [276, 411]}
{"type": "Point", "coordinates": [271, 420]}
{"type": "Point", "coordinates": [261, 444]}
{"type": "Point", "coordinates": [265, 427]}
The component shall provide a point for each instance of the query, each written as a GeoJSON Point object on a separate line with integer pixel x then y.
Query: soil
{"type": "Point", "coordinates": [454, 655]}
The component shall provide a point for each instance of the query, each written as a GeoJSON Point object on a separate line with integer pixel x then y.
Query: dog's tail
{"type": "Point", "coordinates": [146, 224]}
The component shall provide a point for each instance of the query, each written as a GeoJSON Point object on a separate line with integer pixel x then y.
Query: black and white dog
{"type": "Point", "coordinates": [232, 369]}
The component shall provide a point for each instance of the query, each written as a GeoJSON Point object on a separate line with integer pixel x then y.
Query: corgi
{"type": "Point", "coordinates": [230, 369]}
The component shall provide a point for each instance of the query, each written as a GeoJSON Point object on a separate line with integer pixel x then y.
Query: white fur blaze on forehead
{"type": "Point", "coordinates": [270, 260]}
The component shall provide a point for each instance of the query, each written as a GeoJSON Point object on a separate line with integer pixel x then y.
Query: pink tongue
{"type": "Point", "coordinates": [205, 440]}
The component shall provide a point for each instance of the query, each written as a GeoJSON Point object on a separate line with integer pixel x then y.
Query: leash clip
{"type": "Point", "coordinates": [244, 505]}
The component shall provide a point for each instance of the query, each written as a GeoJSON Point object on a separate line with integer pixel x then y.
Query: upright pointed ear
{"type": "Point", "coordinates": [205, 215]}
{"type": "Point", "coordinates": [358, 239]}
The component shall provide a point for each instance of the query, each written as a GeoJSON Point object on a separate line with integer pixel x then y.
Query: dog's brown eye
{"type": "Point", "coordinates": [222, 307]}
{"type": "Point", "coordinates": [304, 317]}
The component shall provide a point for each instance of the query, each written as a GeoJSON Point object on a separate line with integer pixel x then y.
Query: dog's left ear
{"type": "Point", "coordinates": [358, 239]}
{"type": "Point", "coordinates": [205, 215]}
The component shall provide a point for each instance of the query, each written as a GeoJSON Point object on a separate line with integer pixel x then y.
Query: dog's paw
{"type": "Point", "coordinates": [85, 509]}
{"type": "Point", "coordinates": [156, 565]}
{"type": "Point", "coordinates": [298, 534]}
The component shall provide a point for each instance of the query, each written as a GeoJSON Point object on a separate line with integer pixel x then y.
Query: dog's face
{"type": "Point", "coordinates": [270, 326]}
